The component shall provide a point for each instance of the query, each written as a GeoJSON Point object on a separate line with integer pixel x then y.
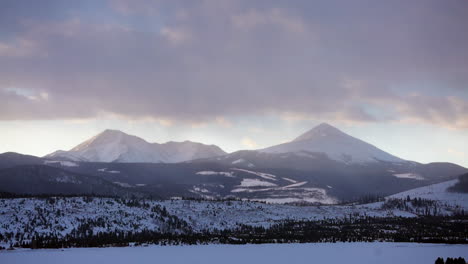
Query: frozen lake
{"type": "Point", "coordinates": [381, 253]}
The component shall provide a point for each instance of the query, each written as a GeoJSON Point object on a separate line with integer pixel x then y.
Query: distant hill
{"type": "Point", "coordinates": [42, 179]}
{"type": "Point", "coordinates": [12, 159]}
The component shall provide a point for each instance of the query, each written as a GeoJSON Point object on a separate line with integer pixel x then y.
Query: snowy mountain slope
{"type": "Point", "coordinates": [337, 145]}
{"type": "Point", "coordinates": [188, 150]}
{"type": "Point", "coordinates": [438, 192]}
{"type": "Point", "coordinates": [62, 216]}
{"type": "Point", "coordinates": [116, 146]}
{"type": "Point", "coordinates": [111, 146]}
{"type": "Point", "coordinates": [29, 216]}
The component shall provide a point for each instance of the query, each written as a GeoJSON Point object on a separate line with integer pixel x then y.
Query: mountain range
{"type": "Point", "coordinates": [117, 146]}
{"type": "Point", "coordinates": [323, 165]}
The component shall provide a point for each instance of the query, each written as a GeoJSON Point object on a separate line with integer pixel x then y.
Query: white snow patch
{"type": "Point", "coordinates": [200, 190]}
{"type": "Point", "coordinates": [62, 163]}
{"type": "Point", "coordinates": [123, 184]}
{"type": "Point", "coordinates": [238, 161]}
{"type": "Point", "coordinates": [319, 199]}
{"type": "Point", "coordinates": [289, 180]}
{"type": "Point", "coordinates": [409, 176]}
{"type": "Point", "coordinates": [222, 173]}
{"type": "Point", "coordinates": [295, 185]}
{"type": "Point", "coordinates": [108, 171]}
{"type": "Point", "coordinates": [259, 174]}
{"type": "Point", "coordinates": [255, 183]}
{"type": "Point", "coordinates": [250, 165]}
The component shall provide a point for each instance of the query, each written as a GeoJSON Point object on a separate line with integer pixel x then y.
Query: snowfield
{"type": "Point", "coordinates": [222, 173]}
{"type": "Point", "coordinates": [409, 176]}
{"type": "Point", "coordinates": [439, 193]}
{"type": "Point", "coordinates": [263, 175]}
{"type": "Point", "coordinates": [361, 253]}
{"type": "Point", "coordinates": [255, 183]}
{"type": "Point", "coordinates": [62, 163]}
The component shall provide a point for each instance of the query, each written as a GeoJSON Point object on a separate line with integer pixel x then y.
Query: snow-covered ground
{"type": "Point", "coordinates": [33, 215]}
{"type": "Point", "coordinates": [62, 163]}
{"type": "Point", "coordinates": [28, 216]}
{"type": "Point", "coordinates": [361, 253]}
{"type": "Point", "coordinates": [439, 193]}
{"type": "Point", "coordinates": [409, 176]}
{"type": "Point", "coordinates": [39, 216]}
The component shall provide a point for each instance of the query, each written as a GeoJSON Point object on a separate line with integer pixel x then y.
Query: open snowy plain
{"type": "Point", "coordinates": [371, 253]}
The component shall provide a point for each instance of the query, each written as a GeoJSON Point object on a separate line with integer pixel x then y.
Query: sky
{"type": "Point", "coordinates": [241, 74]}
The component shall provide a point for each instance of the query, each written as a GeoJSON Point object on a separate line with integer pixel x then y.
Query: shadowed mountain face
{"type": "Point", "coordinates": [11, 159]}
{"type": "Point", "coordinates": [116, 146]}
{"type": "Point", "coordinates": [281, 178]}
{"type": "Point", "coordinates": [323, 165]}
{"type": "Point", "coordinates": [42, 179]}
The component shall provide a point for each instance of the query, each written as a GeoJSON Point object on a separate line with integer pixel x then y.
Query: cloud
{"type": "Point", "coordinates": [275, 16]}
{"type": "Point", "coordinates": [223, 122]}
{"type": "Point", "coordinates": [249, 143]}
{"type": "Point", "coordinates": [176, 35]}
{"type": "Point", "coordinates": [200, 60]}
{"type": "Point", "coordinates": [19, 48]}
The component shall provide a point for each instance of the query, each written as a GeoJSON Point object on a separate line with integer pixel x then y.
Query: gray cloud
{"type": "Point", "coordinates": [368, 61]}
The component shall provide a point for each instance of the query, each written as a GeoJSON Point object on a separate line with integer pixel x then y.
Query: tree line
{"type": "Point", "coordinates": [430, 229]}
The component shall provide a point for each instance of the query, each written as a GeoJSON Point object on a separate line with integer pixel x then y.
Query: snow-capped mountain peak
{"type": "Point", "coordinates": [322, 130]}
{"type": "Point", "coordinates": [336, 144]}
{"type": "Point", "coordinates": [117, 146]}
{"type": "Point", "coordinates": [109, 136]}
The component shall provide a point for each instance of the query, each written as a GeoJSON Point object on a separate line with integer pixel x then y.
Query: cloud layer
{"type": "Point", "coordinates": [365, 61]}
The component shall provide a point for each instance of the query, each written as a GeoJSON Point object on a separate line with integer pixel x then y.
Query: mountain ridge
{"type": "Point", "coordinates": [252, 175]}
{"type": "Point", "coordinates": [117, 146]}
